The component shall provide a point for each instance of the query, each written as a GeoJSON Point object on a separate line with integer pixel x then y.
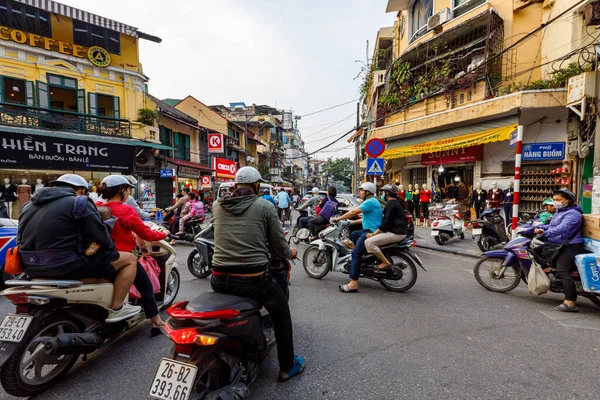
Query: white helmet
{"type": "Point", "coordinates": [131, 179]}
{"type": "Point", "coordinates": [248, 175]}
{"type": "Point", "coordinates": [116, 180]}
{"type": "Point", "coordinates": [315, 190]}
{"type": "Point", "coordinates": [369, 187]}
{"type": "Point", "coordinates": [72, 180]}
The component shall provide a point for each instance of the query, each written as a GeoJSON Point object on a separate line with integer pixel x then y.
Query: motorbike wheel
{"type": "Point", "coordinates": [30, 370]}
{"type": "Point", "coordinates": [486, 269]}
{"type": "Point", "coordinates": [440, 240]}
{"type": "Point", "coordinates": [294, 233]}
{"type": "Point", "coordinates": [197, 265]}
{"type": "Point", "coordinates": [317, 263]}
{"type": "Point", "coordinates": [462, 236]}
{"type": "Point", "coordinates": [403, 267]}
{"type": "Point", "coordinates": [173, 284]}
{"type": "Point", "coordinates": [212, 375]}
{"type": "Point", "coordinates": [483, 244]}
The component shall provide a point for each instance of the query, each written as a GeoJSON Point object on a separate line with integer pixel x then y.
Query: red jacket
{"type": "Point", "coordinates": [426, 196]}
{"type": "Point", "coordinates": [128, 223]}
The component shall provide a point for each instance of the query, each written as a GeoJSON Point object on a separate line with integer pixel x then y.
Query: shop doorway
{"type": "Point", "coordinates": [452, 175]}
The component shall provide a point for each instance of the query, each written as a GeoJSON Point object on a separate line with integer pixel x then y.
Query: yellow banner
{"type": "Point", "coordinates": [471, 139]}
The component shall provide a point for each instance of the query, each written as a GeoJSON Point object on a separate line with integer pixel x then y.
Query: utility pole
{"type": "Point", "coordinates": [596, 180]}
{"type": "Point", "coordinates": [357, 147]}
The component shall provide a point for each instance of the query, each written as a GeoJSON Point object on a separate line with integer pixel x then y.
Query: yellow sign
{"type": "Point", "coordinates": [33, 40]}
{"type": "Point", "coordinates": [472, 139]}
{"type": "Point", "coordinates": [99, 57]}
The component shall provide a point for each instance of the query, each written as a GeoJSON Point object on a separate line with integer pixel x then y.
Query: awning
{"type": "Point", "coordinates": [448, 140]}
{"type": "Point", "coordinates": [189, 164]}
{"type": "Point", "coordinates": [86, 137]}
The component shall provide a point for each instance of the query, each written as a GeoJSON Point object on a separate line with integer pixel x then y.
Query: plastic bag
{"type": "Point", "coordinates": [153, 270]}
{"type": "Point", "coordinates": [537, 280]}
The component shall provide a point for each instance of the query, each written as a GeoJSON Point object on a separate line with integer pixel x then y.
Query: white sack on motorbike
{"type": "Point", "coordinates": [537, 280]}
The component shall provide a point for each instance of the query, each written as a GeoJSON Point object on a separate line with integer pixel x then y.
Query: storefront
{"type": "Point", "coordinates": [448, 167]}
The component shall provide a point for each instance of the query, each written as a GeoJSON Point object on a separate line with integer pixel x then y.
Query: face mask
{"type": "Point", "coordinates": [558, 205]}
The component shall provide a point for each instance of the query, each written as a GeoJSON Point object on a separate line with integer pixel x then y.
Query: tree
{"type": "Point", "coordinates": [339, 170]}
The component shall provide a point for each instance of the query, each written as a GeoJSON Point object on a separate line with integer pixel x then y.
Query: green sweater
{"type": "Point", "coordinates": [409, 195]}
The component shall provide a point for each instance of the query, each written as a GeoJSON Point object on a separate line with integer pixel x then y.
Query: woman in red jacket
{"type": "Point", "coordinates": [116, 188]}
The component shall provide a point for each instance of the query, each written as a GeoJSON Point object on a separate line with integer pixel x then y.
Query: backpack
{"type": "Point", "coordinates": [329, 209]}
{"type": "Point", "coordinates": [196, 209]}
{"type": "Point", "coordinates": [79, 205]}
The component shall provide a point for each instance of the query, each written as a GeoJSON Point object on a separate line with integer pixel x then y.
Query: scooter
{"type": "Point", "coordinates": [489, 230]}
{"type": "Point", "coordinates": [329, 254]}
{"type": "Point", "coordinates": [300, 235]}
{"type": "Point", "coordinates": [56, 321]}
{"type": "Point", "coordinates": [199, 261]}
{"type": "Point", "coordinates": [191, 228]}
{"type": "Point", "coordinates": [444, 228]}
{"type": "Point", "coordinates": [220, 341]}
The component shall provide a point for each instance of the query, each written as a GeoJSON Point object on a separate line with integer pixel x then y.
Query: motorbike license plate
{"type": "Point", "coordinates": [477, 231]}
{"type": "Point", "coordinates": [435, 233]}
{"type": "Point", "coordinates": [14, 327]}
{"type": "Point", "coordinates": [173, 380]}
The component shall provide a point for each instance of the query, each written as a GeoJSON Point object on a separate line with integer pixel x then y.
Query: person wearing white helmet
{"type": "Point", "coordinates": [371, 220]}
{"type": "Point", "coordinates": [247, 233]}
{"type": "Point", "coordinates": [311, 204]}
{"type": "Point", "coordinates": [56, 244]}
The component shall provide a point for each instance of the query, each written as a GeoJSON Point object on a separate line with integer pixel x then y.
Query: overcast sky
{"type": "Point", "coordinates": [296, 55]}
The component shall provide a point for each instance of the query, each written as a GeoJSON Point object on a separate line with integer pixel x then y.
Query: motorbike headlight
{"type": "Point", "coordinates": [303, 234]}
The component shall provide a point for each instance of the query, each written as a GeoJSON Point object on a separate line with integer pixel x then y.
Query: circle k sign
{"type": "Point", "coordinates": [206, 180]}
{"type": "Point", "coordinates": [215, 143]}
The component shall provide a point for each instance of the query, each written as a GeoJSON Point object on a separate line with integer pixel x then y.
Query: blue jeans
{"type": "Point", "coordinates": [358, 238]}
{"type": "Point", "coordinates": [303, 222]}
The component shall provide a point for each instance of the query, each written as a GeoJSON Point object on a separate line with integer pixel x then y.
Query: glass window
{"type": "Point", "coordinates": [420, 11]}
{"type": "Point", "coordinates": [25, 18]}
{"type": "Point", "coordinates": [14, 91]}
{"type": "Point", "coordinates": [89, 35]}
{"type": "Point", "coordinates": [462, 6]}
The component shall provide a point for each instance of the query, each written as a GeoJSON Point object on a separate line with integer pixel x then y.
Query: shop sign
{"type": "Point", "coordinates": [166, 173]}
{"type": "Point", "coordinates": [223, 180]}
{"type": "Point", "coordinates": [224, 168]}
{"type": "Point", "coordinates": [455, 156]}
{"type": "Point", "coordinates": [544, 151]}
{"type": "Point", "coordinates": [206, 181]}
{"type": "Point", "coordinates": [96, 54]}
{"type": "Point", "coordinates": [187, 172]}
{"type": "Point", "coordinates": [37, 152]}
{"type": "Point", "coordinates": [215, 143]}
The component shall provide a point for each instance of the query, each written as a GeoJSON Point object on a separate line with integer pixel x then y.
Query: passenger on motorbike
{"type": "Point", "coordinates": [371, 220]}
{"type": "Point", "coordinates": [548, 211]}
{"type": "Point", "coordinates": [241, 259]}
{"type": "Point", "coordinates": [317, 223]}
{"type": "Point", "coordinates": [56, 244]}
{"type": "Point", "coordinates": [392, 229]}
{"type": "Point", "coordinates": [564, 227]}
{"type": "Point", "coordinates": [311, 204]}
{"type": "Point", "coordinates": [116, 188]}
{"type": "Point", "coordinates": [193, 208]}
{"type": "Point", "coordinates": [267, 196]}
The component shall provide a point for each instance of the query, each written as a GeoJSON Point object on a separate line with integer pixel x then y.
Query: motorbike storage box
{"type": "Point", "coordinates": [588, 266]}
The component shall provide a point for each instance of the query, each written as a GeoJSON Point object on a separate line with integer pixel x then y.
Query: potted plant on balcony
{"type": "Point", "coordinates": [147, 116]}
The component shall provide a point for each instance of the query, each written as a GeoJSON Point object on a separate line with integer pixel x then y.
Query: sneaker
{"type": "Point", "coordinates": [125, 312]}
{"type": "Point", "coordinates": [297, 369]}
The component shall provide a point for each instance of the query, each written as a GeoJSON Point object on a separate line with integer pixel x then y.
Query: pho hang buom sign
{"type": "Point", "coordinates": [37, 152]}
{"type": "Point", "coordinates": [544, 151]}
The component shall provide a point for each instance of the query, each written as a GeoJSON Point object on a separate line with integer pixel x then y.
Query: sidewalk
{"type": "Point", "coordinates": [466, 247]}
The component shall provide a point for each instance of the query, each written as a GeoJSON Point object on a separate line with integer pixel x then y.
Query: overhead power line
{"type": "Point", "coordinates": [329, 108]}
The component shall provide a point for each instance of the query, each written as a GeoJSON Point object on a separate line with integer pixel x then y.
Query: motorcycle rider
{"type": "Point", "coordinates": [549, 211]}
{"type": "Point", "coordinates": [241, 259]}
{"type": "Point", "coordinates": [267, 196]}
{"type": "Point", "coordinates": [371, 221]}
{"type": "Point", "coordinates": [312, 204]}
{"type": "Point", "coordinates": [283, 201]}
{"type": "Point", "coordinates": [565, 225]}
{"type": "Point", "coordinates": [53, 243]}
{"type": "Point", "coordinates": [317, 223]}
{"type": "Point", "coordinates": [392, 229]}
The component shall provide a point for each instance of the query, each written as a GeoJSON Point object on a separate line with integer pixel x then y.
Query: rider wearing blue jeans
{"type": "Point", "coordinates": [371, 220]}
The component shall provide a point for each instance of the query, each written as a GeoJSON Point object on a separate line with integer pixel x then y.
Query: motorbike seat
{"type": "Point", "coordinates": [406, 242]}
{"type": "Point", "coordinates": [211, 301]}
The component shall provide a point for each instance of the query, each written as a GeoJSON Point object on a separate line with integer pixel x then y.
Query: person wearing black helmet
{"type": "Point", "coordinates": [565, 228]}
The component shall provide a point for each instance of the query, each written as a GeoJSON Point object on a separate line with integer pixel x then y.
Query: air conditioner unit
{"type": "Point", "coordinates": [146, 159]}
{"type": "Point", "coordinates": [436, 21]}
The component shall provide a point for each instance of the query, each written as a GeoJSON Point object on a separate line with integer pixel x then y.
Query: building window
{"type": "Point", "coordinates": [462, 6]}
{"type": "Point", "coordinates": [166, 138]}
{"type": "Point", "coordinates": [14, 91]}
{"type": "Point", "coordinates": [181, 143]}
{"type": "Point", "coordinates": [25, 18]}
{"type": "Point", "coordinates": [419, 13]}
{"type": "Point", "coordinates": [89, 35]}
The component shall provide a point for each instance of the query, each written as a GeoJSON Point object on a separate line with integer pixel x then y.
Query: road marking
{"type": "Point", "coordinates": [587, 320]}
{"type": "Point", "coordinates": [469, 271]}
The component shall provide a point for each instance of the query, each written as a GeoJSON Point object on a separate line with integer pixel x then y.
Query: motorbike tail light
{"type": "Point", "coordinates": [24, 298]}
{"type": "Point", "coordinates": [189, 336]}
{"type": "Point", "coordinates": [459, 215]}
{"type": "Point", "coordinates": [435, 223]}
{"type": "Point", "coordinates": [178, 311]}
{"type": "Point", "coordinates": [475, 224]}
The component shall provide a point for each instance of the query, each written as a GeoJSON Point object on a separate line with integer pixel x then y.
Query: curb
{"type": "Point", "coordinates": [445, 250]}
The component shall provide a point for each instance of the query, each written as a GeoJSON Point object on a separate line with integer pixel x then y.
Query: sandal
{"type": "Point", "coordinates": [349, 244]}
{"type": "Point", "coordinates": [386, 268]}
{"type": "Point", "coordinates": [566, 308]}
{"type": "Point", "coordinates": [346, 289]}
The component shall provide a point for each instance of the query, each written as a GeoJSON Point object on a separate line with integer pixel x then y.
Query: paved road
{"type": "Point", "coordinates": [445, 338]}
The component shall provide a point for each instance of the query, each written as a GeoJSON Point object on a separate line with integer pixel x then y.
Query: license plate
{"type": "Point", "coordinates": [173, 380]}
{"type": "Point", "coordinates": [14, 327]}
{"type": "Point", "coordinates": [435, 233]}
{"type": "Point", "coordinates": [477, 231]}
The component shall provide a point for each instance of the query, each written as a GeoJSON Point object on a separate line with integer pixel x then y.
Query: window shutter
{"type": "Point", "coordinates": [81, 101]}
{"type": "Point", "coordinates": [29, 93]}
{"type": "Point", "coordinates": [93, 103]}
{"type": "Point", "coordinates": [187, 148]}
{"type": "Point", "coordinates": [1, 88]}
{"type": "Point", "coordinates": [42, 95]}
{"type": "Point", "coordinates": [117, 107]}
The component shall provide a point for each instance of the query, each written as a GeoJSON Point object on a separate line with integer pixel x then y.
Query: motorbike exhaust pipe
{"type": "Point", "coordinates": [236, 391]}
{"type": "Point", "coordinates": [72, 343]}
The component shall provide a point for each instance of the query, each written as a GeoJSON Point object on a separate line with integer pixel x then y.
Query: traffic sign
{"type": "Point", "coordinates": [375, 147]}
{"type": "Point", "coordinates": [215, 143]}
{"type": "Point", "coordinates": [375, 166]}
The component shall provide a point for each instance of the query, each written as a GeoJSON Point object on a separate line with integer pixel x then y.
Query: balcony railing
{"type": "Point", "coordinates": [62, 120]}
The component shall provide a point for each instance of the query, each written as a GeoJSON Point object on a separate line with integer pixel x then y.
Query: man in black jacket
{"type": "Point", "coordinates": [57, 244]}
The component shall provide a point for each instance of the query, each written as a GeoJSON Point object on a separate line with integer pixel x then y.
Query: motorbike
{"type": "Point", "coordinates": [57, 321]}
{"type": "Point", "coordinates": [300, 235]}
{"type": "Point", "coordinates": [444, 228]}
{"type": "Point", "coordinates": [489, 230]}
{"type": "Point", "coordinates": [329, 254]}
{"type": "Point", "coordinates": [191, 228]}
{"type": "Point", "coordinates": [199, 261]}
{"type": "Point", "coordinates": [220, 341]}
{"type": "Point", "coordinates": [502, 270]}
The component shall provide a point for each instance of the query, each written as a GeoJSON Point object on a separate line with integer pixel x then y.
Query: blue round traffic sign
{"type": "Point", "coordinates": [375, 147]}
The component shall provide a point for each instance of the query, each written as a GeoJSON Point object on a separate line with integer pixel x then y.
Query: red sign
{"type": "Point", "coordinates": [224, 168]}
{"type": "Point", "coordinates": [456, 156]}
{"type": "Point", "coordinates": [215, 143]}
{"type": "Point", "coordinates": [205, 180]}
{"type": "Point", "coordinates": [375, 147]}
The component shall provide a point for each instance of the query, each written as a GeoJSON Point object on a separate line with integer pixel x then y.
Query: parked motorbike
{"type": "Point", "coordinates": [329, 254]}
{"type": "Point", "coordinates": [444, 228]}
{"type": "Point", "coordinates": [57, 321]}
{"type": "Point", "coordinates": [220, 341]}
{"type": "Point", "coordinates": [489, 230]}
{"type": "Point", "coordinates": [199, 261]}
{"type": "Point", "coordinates": [502, 270]}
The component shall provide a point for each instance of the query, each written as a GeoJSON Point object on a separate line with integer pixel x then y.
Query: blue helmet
{"type": "Point", "coordinates": [567, 194]}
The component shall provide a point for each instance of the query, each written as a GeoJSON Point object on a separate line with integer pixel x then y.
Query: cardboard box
{"type": "Point", "coordinates": [591, 226]}
{"type": "Point", "coordinates": [588, 266]}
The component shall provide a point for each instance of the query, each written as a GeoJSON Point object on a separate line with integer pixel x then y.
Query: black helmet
{"type": "Point", "coordinates": [390, 188]}
{"type": "Point", "coordinates": [567, 194]}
